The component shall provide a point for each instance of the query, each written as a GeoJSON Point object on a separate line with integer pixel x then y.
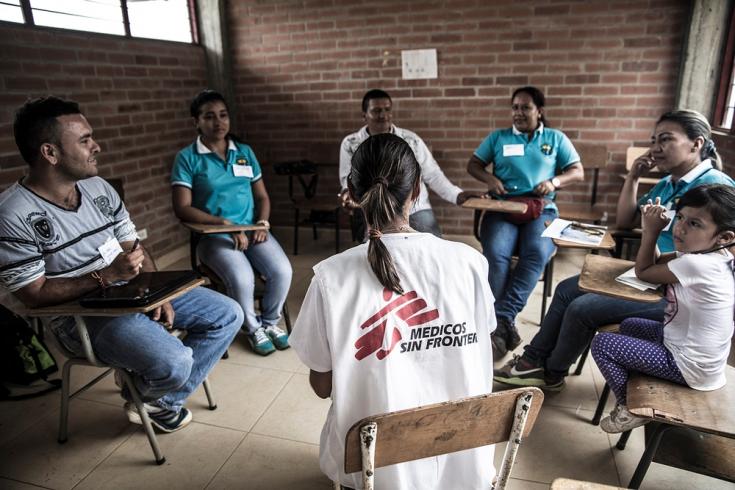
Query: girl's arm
{"type": "Point", "coordinates": [186, 212]}
{"type": "Point", "coordinates": [647, 267]}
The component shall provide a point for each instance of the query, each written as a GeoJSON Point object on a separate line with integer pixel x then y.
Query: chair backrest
{"type": "Point", "coordinates": [593, 156]}
{"type": "Point", "coordinates": [441, 428]}
{"type": "Point", "coordinates": [301, 169]}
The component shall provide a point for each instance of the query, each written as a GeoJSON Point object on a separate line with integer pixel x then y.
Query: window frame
{"type": "Point", "coordinates": [727, 79]}
{"type": "Point", "coordinates": [27, 10]}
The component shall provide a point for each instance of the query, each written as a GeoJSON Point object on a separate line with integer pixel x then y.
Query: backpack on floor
{"type": "Point", "coordinates": [25, 361]}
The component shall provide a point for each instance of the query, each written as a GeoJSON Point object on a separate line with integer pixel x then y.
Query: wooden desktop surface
{"type": "Point", "coordinates": [598, 276]}
{"type": "Point", "coordinates": [495, 205]}
{"type": "Point", "coordinates": [73, 308]}
{"type": "Point", "coordinates": [205, 229]}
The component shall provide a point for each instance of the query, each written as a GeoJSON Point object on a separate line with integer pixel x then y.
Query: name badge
{"type": "Point", "coordinates": [671, 214]}
{"type": "Point", "coordinates": [242, 170]}
{"type": "Point", "coordinates": [513, 150]}
{"type": "Point", "coordinates": [109, 250]}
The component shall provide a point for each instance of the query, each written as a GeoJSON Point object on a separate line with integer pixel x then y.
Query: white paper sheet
{"type": "Point", "coordinates": [563, 230]}
{"type": "Point", "coordinates": [629, 278]}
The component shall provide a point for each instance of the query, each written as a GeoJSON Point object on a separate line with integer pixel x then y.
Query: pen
{"type": "Point", "coordinates": [135, 244]}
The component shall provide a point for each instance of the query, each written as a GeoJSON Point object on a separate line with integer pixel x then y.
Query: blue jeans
{"type": "Point", "coordinates": [237, 271]}
{"type": "Point", "coordinates": [168, 370]}
{"type": "Point", "coordinates": [500, 240]}
{"type": "Point", "coordinates": [425, 222]}
{"type": "Point", "coordinates": [572, 320]}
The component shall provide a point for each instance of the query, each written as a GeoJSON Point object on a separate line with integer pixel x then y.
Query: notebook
{"type": "Point", "coordinates": [144, 289]}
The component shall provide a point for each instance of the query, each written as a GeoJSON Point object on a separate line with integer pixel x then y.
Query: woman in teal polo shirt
{"type": "Point", "coordinates": [217, 180]}
{"type": "Point", "coordinates": [528, 159]}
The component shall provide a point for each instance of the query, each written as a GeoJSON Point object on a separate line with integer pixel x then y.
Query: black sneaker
{"type": "Point", "coordinates": [162, 419]}
{"type": "Point", "coordinates": [498, 343]}
{"type": "Point", "coordinates": [510, 333]}
{"type": "Point", "coordinates": [553, 383]}
{"type": "Point", "coordinates": [520, 372]}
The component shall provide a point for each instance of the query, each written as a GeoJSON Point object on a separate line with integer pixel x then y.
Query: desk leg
{"type": "Point", "coordinates": [648, 454]}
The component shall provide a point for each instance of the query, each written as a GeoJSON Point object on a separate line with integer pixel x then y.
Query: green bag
{"type": "Point", "coordinates": [24, 358]}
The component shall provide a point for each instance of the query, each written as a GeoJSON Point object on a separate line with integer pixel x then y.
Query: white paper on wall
{"type": "Point", "coordinates": [418, 64]}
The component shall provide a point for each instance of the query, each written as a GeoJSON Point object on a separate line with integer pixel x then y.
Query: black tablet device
{"type": "Point", "coordinates": [144, 289]}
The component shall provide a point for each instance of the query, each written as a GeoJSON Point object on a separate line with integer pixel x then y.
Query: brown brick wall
{"type": "Point", "coordinates": [726, 148]}
{"type": "Point", "coordinates": [609, 68]}
{"type": "Point", "coordinates": [135, 94]}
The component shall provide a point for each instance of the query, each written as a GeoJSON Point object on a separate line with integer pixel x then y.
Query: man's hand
{"type": "Point", "coordinates": [259, 236]}
{"type": "Point", "coordinates": [241, 240]}
{"type": "Point", "coordinates": [345, 201]}
{"type": "Point", "coordinates": [495, 186]}
{"type": "Point", "coordinates": [125, 267]}
{"type": "Point", "coordinates": [464, 195]}
{"type": "Point", "coordinates": [642, 165]}
{"type": "Point", "coordinates": [544, 188]}
{"type": "Point", "coordinates": [653, 217]}
{"type": "Point", "coordinates": [164, 314]}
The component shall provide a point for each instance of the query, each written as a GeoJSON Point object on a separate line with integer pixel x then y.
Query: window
{"type": "Point", "coordinates": [136, 18]}
{"type": "Point", "coordinates": [725, 105]}
{"type": "Point", "coordinates": [10, 10]}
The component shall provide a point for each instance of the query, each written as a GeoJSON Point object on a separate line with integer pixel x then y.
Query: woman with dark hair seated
{"type": "Point", "coordinates": [393, 324]}
{"type": "Point", "coordinates": [530, 162]}
{"type": "Point", "coordinates": [217, 180]}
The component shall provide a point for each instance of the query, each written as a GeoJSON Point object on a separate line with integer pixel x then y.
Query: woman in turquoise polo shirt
{"type": "Point", "coordinates": [217, 180]}
{"type": "Point", "coordinates": [532, 160]}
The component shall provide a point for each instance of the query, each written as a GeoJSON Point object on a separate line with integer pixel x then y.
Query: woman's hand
{"type": "Point", "coordinates": [495, 186]}
{"type": "Point", "coordinates": [544, 188]}
{"type": "Point", "coordinates": [464, 195]}
{"type": "Point", "coordinates": [241, 241]}
{"type": "Point", "coordinates": [259, 236]}
{"type": "Point", "coordinates": [653, 217]}
{"type": "Point", "coordinates": [642, 165]}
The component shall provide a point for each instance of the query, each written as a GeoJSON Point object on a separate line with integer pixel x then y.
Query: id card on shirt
{"type": "Point", "coordinates": [109, 250]}
{"type": "Point", "coordinates": [513, 150]}
{"type": "Point", "coordinates": [242, 170]}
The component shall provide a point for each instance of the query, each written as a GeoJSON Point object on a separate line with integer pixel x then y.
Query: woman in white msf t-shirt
{"type": "Point", "coordinates": [400, 322]}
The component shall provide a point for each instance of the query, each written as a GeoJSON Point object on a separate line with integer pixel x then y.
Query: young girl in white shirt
{"type": "Point", "coordinates": [691, 346]}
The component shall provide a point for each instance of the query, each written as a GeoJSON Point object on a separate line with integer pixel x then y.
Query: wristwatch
{"type": "Point", "coordinates": [264, 222]}
{"type": "Point", "coordinates": [556, 182]}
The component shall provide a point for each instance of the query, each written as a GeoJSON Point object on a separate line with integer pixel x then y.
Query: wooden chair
{"type": "Point", "coordinates": [442, 428]}
{"type": "Point", "coordinates": [319, 211]}
{"type": "Point", "coordinates": [594, 158]}
{"type": "Point", "coordinates": [689, 429]}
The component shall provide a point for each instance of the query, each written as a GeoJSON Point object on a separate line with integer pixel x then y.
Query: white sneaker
{"type": "Point", "coordinates": [621, 420]}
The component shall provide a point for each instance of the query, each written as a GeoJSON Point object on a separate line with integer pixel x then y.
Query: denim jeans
{"type": "Point", "coordinates": [502, 239]}
{"type": "Point", "coordinates": [425, 222]}
{"type": "Point", "coordinates": [167, 369]}
{"type": "Point", "coordinates": [237, 270]}
{"type": "Point", "coordinates": [572, 320]}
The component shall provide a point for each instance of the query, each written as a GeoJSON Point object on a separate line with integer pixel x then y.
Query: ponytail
{"type": "Point", "coordinates": [384, 172]}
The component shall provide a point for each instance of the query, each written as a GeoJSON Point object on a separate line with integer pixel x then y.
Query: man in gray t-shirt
{"type": "Point", "coordinates": [65, 232]}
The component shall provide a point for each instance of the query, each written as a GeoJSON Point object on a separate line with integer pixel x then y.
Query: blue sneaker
{"type": "Point", "coordinates": [260, 342]}
{"type": "Point", "coordinates": [278, 336]}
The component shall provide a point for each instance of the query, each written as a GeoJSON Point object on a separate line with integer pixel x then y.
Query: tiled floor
{"type": "Point", "coordinates": [265, 433]}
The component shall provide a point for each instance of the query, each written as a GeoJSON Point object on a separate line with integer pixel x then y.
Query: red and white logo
{"type": "Point", "coordinates": [384, 327]}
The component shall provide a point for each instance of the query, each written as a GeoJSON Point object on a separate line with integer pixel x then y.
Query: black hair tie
{"type": "Point", "coordinates": [380, 180]}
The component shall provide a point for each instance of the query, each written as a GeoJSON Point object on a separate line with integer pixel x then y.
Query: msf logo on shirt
{"type": "Point", "coordinates": [382, 332]}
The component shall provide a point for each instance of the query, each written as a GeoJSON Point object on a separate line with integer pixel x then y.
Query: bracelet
{"type": "Point", "coordinates": [97, 277]}
{"type": "Point", "coordinates": [264, 222]}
